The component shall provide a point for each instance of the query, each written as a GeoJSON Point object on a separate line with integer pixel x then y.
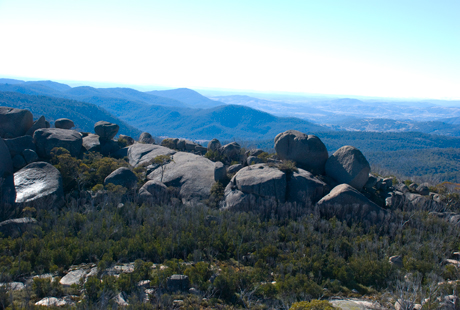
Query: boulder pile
{"type": "Point", "coordinates": [300, 174]}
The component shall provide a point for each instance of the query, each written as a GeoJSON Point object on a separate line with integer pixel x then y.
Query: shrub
{"type": "Point", "coordinates": [213, 155]}
{"type": "Point", "coordinates": [288, 166]}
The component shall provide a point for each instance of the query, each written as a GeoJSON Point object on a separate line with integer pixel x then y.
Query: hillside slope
{"type": "Point", "coordinates": [187, 96]}
{"type": "Point", "coordinates": [83, 114]}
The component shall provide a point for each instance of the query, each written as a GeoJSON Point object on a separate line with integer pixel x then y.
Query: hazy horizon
{"type": "Point", "coordinates": [396, 49]}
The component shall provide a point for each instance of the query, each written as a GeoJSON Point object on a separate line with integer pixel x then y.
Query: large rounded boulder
{"type": "Point", "coordinates": [348, 165]}
{"type": "Point", "coordinates": [122, 176]}
{"type": "Point", "coordinates": [147, 138]}
{"type": "Point", "coordinates": [140, 154]}
{"type": "Point", "coordinates": [308, 151]}
{"type": "Point", "coordinates": [303, 187]}
{"type": "Point", "coordinates": [64, 123]}
{"type": "Point", "coordinates": [14, 122]}
{"type": "Point", "coordinates": [49, 138]}
{"type": "Point", "coordinates": [347, 203]}
{"type": "Point", "coordinates": [154, 193]}
{"type": "Point", "coordinates": [231, 151]}
{"type": "Point", "coordinates": [214, 145]}
{"type": "Point", "coordinates": [106, 130]}
{"type": "Point", "coordinates": [191, 174]}
{"type": "Point", "coordinates": [39, 185]}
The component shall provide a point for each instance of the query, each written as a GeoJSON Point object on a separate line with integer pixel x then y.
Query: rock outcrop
{"type": "Point", "coordinates": [40, 123]}
{"type": "Point", "coordinates": [348, 165]}
{"type": "Point", "coordinates": [214, 145]}
{"type": "Point", "coordinates": [303, 187]}
{"type": "Point", "coordinates": [308, 151]}
{"type": "Point", "coordinates": [39, 185]}
{"type": "Point", "coordinates": [154, 193]}
{"type": "Point", "coordinates": [49, 138]}
{"type": "Point", "coordinates": [14, 122]}
{"type": "Point", "coordinates": [15, 227]}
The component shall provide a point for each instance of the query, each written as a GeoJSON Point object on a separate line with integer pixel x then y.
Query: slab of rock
{"type": "Point", "coordinates": [220, 172]}
{"type": "Point", "coordinates": [261, 180]}
{"type": "Point", "coordinates": [396, 260]}
{"type": "Point", "coordinates": [252, 160]}
{"type": "Point", "coordinates": [14, 122]}
{"type": "Point", "coordinates": [423, 189]}
{"type": "Point", "coordinates": [154, 193]}
{"type": "Point", "coordinates": [303, 187]}
{"type": "Point", "coordinates": [122, 176]}
{"type": "Point", "coordinates": [234, 168]}
{"type": "Point", "coordinates": [106, 130]}
{"type": "Point", "coordinates": [142, 154]}
{"type": "Point", "coordinates": [30, 156]}
{"type": "Point", "coordinates": [346, 203]}
{"type": "Point", "coordinates": [214, 145]}
{"type": "Point", "coordinates": [39, 123]}
{"type": "Point", "coordinates": [147, 138]}
{"type": "Point", "coordinates": [49, 138]}
{"type": "Point", "coordinates": [308, 151]}
{"type": "Point", "coordinates": [73, 277]}
{"type": "Point", "coordinates": [18, 162]}
{"type": "Point", "coordinates": [91, 143]}
{"type": "Point", "coordinates": [39, 185]}
{"type": "Point", "coordinates": [15, 227]}
{"type": "Point", "coordinates": [13, 286]}
{"type": "Point", "coordinates": [128, 139]}
{"type": "Point", "coordinates": [6, 162]}
{"type": "Point", "coordinates": [193, 175]}
{"type": "Point", "coordinates": [177, 282]}
{"type": "Point", "coordinates": [395, 200]}
{"type": "Point", "coordinates": [170, 142]}
{"type": "Point", "coordinates": [51, 302]}
{"type": "Point", "coordinates": [64, 123]}
{"type": "Point", "coordinates": [348, 165]}
{"type": "Point", "coordinates": [19, 144]}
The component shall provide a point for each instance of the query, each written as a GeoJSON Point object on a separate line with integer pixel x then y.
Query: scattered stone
{"type": "Point", "coordinates": [49, 138]}
{"type": "Point", "coordinates": [14, 122]}
{"type": "Point", "coordinates": [178, 282]}
{"type": "Point", "coordinates": [39, 185]}
{"type": "Point", "coordinates": [214, 145]}
{"type": "Point", "coordinates": [145, 137]}
{"type": "Point", "coordinates": [308, 151]}
{"type": "Point", "coordinates": [122, 176]}
{"type": "Point", "coordinates": [106, 130]}
{"type": "Point", "coordinates": [64, 123]}
{"type": "Point", "coordinates": [30, 156]}
{"type": "Point", "coordinates": [348, 165]}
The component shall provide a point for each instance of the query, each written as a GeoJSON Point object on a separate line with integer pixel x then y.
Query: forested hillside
{"type": "Point", "coordinates": [84, 115]}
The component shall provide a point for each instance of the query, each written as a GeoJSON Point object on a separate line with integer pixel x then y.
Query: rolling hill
{"type": "Point", "coordinates": [83, 114]}
{"type": "Point", "coordinates": [187, 96]}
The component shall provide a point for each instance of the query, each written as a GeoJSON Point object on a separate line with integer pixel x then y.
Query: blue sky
{"type": "Point", "coordinates": [368, 48]}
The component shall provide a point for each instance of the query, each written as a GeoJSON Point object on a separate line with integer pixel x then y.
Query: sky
{"type": "Point", "coordinates": [391, 48]}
